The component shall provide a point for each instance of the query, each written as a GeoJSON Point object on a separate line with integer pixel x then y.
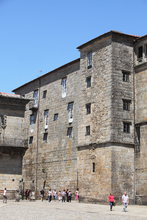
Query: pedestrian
{"type": "Point", "coordinates": [69, 196]}
{"type": "Point", "coordinates": [50, 195]}
{"type": "Point", "coordinates": [67, 199]}
{"type": "Point", "coordinates": [63, 195]}
{"type": "Point", "coordinates": [111, 201]}
{"type": "Point", "coordinates": [77, 194]}
{"type": "Point", "coordinates": [5, 196]}
{"type": "Point", "coordinates": [125, 201]}
{"type": "Point", "coordinates": [59, 196]}
{"type": "Point", "coordinates": [42, 192]}
{"type": "Point", "coordinates": [54, 194]}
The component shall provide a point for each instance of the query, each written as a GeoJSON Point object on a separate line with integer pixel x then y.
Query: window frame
{"type": "Point", "coordinates": [127, 127]}
{"type": "Point", "coordinates": [87, 130]}
{"type": "Point", "coordinates": [88, 81]}
{"type": "Point", "coordinates": [126, 76]}
{"type": "Point", "coordinates": [126, 104]}
{"type": "Point", "coordinates": [44, 94]}
{"type": "Point", "coordinates": [88, 108]}
{"type": "Point", "coordinates": [89, 59]}
{"type": "Point", "coordinates": [70, 132]}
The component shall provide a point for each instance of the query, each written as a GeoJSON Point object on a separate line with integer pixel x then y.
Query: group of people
{"type": "Point", "coordinates": [125, 201]}
{"type": "Point", "coordinates": [64, 195]}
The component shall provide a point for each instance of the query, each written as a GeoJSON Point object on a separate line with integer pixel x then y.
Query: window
{"type": "Point", "coordinates": [32, 119]}
{"type": "Point", "coordinates": [45, 135]}
{"type": "Point", "coordinates": [87, 130]}
{"type": "Point", "coordinates": [89, 60]}
{"type": "Point", "coordinates": [56, 117]}
{"type": "Point", "coordinates": [126, 104]}
{"type": "Point", "coordinates": [138, 134]}
{"type": "Point", "coordinates": [64, 87]}
{"type": "Point", "coordinates": [44, 94]}
{"type": "Point", "coordinates": [35, 96]}
{"type": "Point", "coordinates": [88, 108]}
{"type": "Point", "coordinates": [46, 118]}
{"type": "Point", "coordinates": [70, 132]}
{"type": "Point", "coordinates": [126, 127]}
{"type": "Point", "coordinates": [146, 50]}
{"type": "Point", "coordinates": [70, 112]}
{"type": "Point", "coordinates": [140, 52]}
{"type": "Point", "coordinates": [93, 167]}
{"type": "Point", "coordinates": [126, 76]}
{"type": "Point", "coordinates": [88, 81]}
{"type": "Point", "coordinates": [31, 140]}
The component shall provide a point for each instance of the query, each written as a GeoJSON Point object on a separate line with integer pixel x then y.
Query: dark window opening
{"type": "Point", "coordinates": [146, 50]}
{"type": "Point", "coordinates": [56, 117]}
{"type": "Point", "coordinates": [44, 94]}
{"type": "Point", "coordinates": [126, 76]}
{"type": "Point", "coordinates": [140, 52]}
{"type": "Point", "coordinates": [88, 81]}
{"type": "Point", "coordinates": [32, 119]}
{"type": "Point", "coordinates": [45, 135]}
{"type": "Point", "coordinates": [87, 130]}
{"type": "Point", "coordinates": [31, 140]}
{"type": "Point", "coordinates": [88, 108]}
{"type": "Point", "coordinates": [126, 104]}
{"type": "Point", "coordinates": [70, 132]}
{"type": "Point", "coordinates": [126, 127]}
{"type": "Point", "coordinates": [93, 167]}
{"type": "Point", "coordinates": [138, 134]}
{"type": "Point", "coordinates": [89, 60]}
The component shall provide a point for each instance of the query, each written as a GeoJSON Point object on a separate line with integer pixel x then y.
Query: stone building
{"type": "Point", "coordinates": [87, 121]}
{"type": "Point", "coordinates": [13, 141]}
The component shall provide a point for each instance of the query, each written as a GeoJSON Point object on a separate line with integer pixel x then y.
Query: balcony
{"type": "Point", "coordinates": [33, 105]}
{"type": "Point", "coordinates": [13, 142]}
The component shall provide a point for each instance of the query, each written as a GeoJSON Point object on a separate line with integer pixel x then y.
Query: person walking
{"type": "Point", "coordinates": [5, 196]}
{"type": "Point", "coordinates": [111, 201]}
{"type": "Point", "coordinates": [42, 192]}
{"type": "Point", "coordinates": [59, 196]}
{"type": "Point", "coordinates": [63, 195]}
{"type": "Point", "coordinates": [125, 201]}
{"type": "Point", "coordinates": [50, 195]}
{"type": "Point", "coordinates": [69, 196]}
{"type": "Point", "coordinates": [77, 194]}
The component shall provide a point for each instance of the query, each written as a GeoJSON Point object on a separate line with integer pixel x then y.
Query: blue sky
{"type": "Point", "coordinates": [37, 36]}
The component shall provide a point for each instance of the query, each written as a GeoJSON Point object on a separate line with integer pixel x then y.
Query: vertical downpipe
{"type": "Point", "coordinates": [37, 142]}
{"type": "Point", "coordinates": [134, 119]}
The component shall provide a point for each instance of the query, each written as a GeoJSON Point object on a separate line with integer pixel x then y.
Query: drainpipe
{"type": "Point", "coordinates": [134, 121]}
{"type": "Point", "coordinates": [37, 142]}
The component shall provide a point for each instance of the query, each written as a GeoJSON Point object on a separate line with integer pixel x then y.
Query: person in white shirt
{"type": "Point", "coordinates": [125, 201]}
{"type": "Point", "coordinates": [5, 196]}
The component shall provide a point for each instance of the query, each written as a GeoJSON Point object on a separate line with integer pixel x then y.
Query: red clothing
{"type": "Point", "coordinates": [111, 198]}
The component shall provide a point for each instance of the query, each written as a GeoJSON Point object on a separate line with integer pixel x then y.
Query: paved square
{"type": "Point", "coordinates": [25, 210]}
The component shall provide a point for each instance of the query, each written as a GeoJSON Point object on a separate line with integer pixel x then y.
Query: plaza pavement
{"type": "Point", "coordinates": [37, 210]}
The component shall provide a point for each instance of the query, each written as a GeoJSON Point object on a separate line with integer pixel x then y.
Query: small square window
{"type": "Point", "coordinates": [56, 117]}
{"type": "Point", "coordinates": [44, 94]}
{"type": "Point", "coordinates": [45, 135]}
{"type": "Point", "coordinates": [126, 76]}
{"type": "Point", "coordinates": [70, 132]}
{"type": "Point", "coordinates": [31, 140]}
{"type": "Point", "coordinates": [126, 104]}
{"type": "Point", "coordinates": [87, 130]}
{"type": "Point", "coordinates": [88, 81]}
{"type": "Point", "coordinates": [126, 127]}
{"type": "Point", "coordinates": [88, 108]}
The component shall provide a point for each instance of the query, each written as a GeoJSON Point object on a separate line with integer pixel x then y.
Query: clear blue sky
{"type": "Point", "coordinates": [37, 36]}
